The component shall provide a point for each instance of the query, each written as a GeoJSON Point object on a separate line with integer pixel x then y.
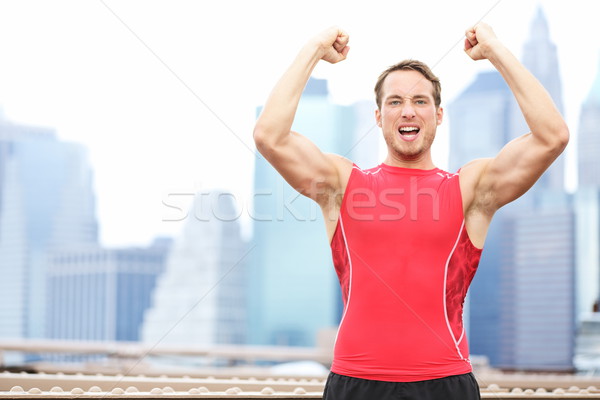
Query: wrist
{"type": "Point", "coordinates": [314, 47]}
{"type": "Point", "coordinates": [313, 50]}
{"type": "Point", "coordinates": [493, 49]}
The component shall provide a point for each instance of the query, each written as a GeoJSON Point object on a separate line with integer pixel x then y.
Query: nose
{"type": "Point", "coordinates": [408, 111]}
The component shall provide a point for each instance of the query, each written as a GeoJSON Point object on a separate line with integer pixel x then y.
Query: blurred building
{"type": "Point", "coordinates": [537, 289]}
{"type": "Point", "coordinates": [588, 200]}
{"type": "Point", "coordinates": [587, 356]}
{"type": "Point", "coordinates": [101, 294]}
{"type": "Point", "coordinates": [588, 232]}
{"type": "Point", "coordinates": [588, 139]}
{"type": "Point", "coordinates": [481, 133]}
{"type": "Point", "coordinates": [200, 299]}
{"type": "Point", "coordinates": [294, 292]}
{"type": "Point", "coordinates": [587, 212]}
{"type": "Point", "coordinates": [515, 303]}
{"type": "Point", "coordinates": [46, 203]}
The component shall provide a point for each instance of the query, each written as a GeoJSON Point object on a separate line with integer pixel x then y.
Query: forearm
{"type": "Point", "coordinates": [543, 118]}
{"type": "Point", "coordinates": [275, 121]}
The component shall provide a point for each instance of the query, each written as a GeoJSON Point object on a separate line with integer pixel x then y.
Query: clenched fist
{"type": "Point", "coordinates": [332, 44]}
{"type": "Point", "coordinates": [480, 41]}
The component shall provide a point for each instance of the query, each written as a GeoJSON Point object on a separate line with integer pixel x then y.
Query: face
{"type": "Point", "coordinates": [408, 116]}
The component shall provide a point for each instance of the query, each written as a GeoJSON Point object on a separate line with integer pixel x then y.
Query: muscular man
{"type": "Point", "coordinates": [406, 237]}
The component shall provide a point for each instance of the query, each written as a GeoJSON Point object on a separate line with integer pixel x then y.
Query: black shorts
{"type": "Point", "coordinates": [456, 387]}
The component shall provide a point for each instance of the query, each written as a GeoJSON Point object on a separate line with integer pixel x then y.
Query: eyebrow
{"type": "Point", "coordinates": [416, 96]}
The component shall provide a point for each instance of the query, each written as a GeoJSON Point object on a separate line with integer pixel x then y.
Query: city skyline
{"type": "Point", "coordinates": [174, 209]}
{"type": "Point", "coordinates": [124, 82]}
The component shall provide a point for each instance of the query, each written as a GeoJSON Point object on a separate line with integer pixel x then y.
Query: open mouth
{"type": "Point", "coordinates": [408, 132]}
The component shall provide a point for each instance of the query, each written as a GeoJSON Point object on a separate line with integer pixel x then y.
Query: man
{"type": "Point", "coordinates": [406, 237]}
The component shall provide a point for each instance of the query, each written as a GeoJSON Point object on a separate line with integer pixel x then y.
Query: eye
{"type": "Point", "coordinates": [395, 102]}
{"type": "Point", "coordinates": [420, 102]}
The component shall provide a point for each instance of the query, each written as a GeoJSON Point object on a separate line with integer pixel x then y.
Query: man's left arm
{"type": "Point", "coordinates": [522, 161]}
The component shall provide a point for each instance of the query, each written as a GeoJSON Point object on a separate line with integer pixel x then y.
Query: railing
{"type": "Point", "coordinates": [61, 386]}
{"type": "Point", "coordinates": [255, 383]}
{"type": "Point", "coordinates": [139, 350]}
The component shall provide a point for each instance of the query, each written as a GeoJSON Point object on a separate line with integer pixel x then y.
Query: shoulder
{"type": "Point", "coordinates": [474, 169]}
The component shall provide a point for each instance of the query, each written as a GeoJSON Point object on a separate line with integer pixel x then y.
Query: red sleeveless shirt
{"type": "Point", "coordinates": [404, 262]}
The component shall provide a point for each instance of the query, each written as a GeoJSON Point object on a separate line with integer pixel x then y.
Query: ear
{"type": "Point", "coordinates": [440, 115]}
{"type": "Point", "coordinates": [378, 117]}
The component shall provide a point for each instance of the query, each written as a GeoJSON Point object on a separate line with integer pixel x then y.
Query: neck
{"type": "Point", "coordinates": [422, 161]}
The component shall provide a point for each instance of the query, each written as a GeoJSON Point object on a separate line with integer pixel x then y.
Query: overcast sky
{"type": "Point", "coordinates": [163, 93]}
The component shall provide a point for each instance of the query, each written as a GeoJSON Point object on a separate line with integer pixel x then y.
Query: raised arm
{"type": "Point", "coordinates": [497, 181]}
{"type": "Point", "coordinates": [296, 158]}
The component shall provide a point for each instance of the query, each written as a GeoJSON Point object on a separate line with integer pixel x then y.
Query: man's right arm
{"type": "Point", "coordinates": [300, 162]}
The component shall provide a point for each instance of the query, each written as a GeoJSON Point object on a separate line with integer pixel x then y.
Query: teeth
{"type": "Point", "coordinates": [409, 129]}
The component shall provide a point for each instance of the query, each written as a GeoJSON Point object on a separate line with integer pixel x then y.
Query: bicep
{"type": "Point", "coordinates": [515, 169]}
{"type": "Point", "coordinates": [304, 166]}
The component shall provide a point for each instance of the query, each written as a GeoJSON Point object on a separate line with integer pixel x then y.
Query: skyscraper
{"type": "Point", "coordinates": [588, 140]}
{"type": "Point", "coordinates": [101, 294]}
{"type": "Point", "coordinates": [510, 311]}
{"type": "Point", "coordinates": [588, 197]}
{"type": "Point", "coordinates": [46, 202]}
{"type": "Point", "coordinates": [201, 296]}
{"type": "Point", "coordinates": [294, 292]}
{"type": "Point", "coordinates": [588, 229]}
{"type": "Point", "coordinates": [484, 132]}
{"type": "Point", "coordinates": [536, 285]}
{"type": "Point", "coordinates": [587, 214]}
